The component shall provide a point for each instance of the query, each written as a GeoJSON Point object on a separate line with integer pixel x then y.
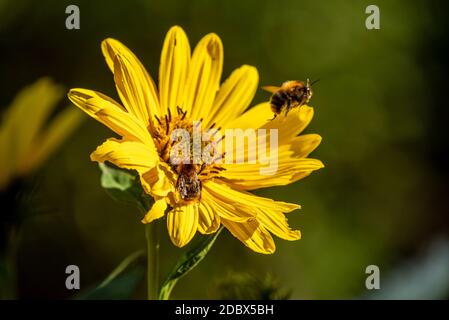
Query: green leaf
{"type": "Point", "coordinates": [186, 264]}
{"type": "Point", "coordinates": [120, 283]}
{"type": "Point", "coordinates": [123, 185]}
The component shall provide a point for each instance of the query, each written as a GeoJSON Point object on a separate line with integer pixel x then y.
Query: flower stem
{"type": "Point", "coordinates": [152, 237]}
{"type": "Point", "coordinates": [7, 276]}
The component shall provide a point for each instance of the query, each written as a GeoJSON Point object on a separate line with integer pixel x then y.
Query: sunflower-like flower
{"type": "Point", "coordinates": [189, 92]}
{"type": "Point", "coordinates": [27, 136]}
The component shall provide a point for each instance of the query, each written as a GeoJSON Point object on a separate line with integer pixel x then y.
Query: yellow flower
{"type": "Point", "coordinates": [189, 90]}
{"type": "Point", "coordinates": [24, 143]}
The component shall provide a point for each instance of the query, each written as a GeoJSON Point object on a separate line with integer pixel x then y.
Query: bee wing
{"type": "Point", "coordinates": [271, 89]}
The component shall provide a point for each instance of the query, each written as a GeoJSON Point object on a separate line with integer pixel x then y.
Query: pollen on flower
{"type": "Point", "coordinates": [193, 158]}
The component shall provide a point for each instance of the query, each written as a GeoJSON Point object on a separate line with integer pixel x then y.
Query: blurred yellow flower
{"type": "Point", "coordinates": [189, 90]}
{"type": "Point", "coordinates": [26, 141]}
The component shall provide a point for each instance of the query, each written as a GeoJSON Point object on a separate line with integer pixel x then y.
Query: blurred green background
{"type": "Point", "coordinates": [381, 199]}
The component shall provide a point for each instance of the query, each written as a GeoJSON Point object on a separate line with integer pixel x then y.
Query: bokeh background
{"type": "Point", "coordinates": [381, 108]}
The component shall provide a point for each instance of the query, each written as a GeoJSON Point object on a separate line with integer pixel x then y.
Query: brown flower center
{"type": "Point", "coordinates": [191, 151]}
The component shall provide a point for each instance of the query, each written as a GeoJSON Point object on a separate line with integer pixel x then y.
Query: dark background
{"type": "Point", "coordinates": [381, 108]}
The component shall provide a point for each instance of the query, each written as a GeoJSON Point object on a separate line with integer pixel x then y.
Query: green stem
{"type": "Point", "coordinates": [7, 277]}
{"type": "Point", "coordinates": [152, 236]}
{"type": "Point", "coordinates": [8, 258]}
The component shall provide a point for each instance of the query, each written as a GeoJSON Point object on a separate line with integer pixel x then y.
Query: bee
{"type": "Point", "coordinates": [188, 183]}
{"type": "Point", "coordinates": [289, 95]}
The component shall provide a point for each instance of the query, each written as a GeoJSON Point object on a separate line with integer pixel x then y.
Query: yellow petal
{"type": "Point", "coordinates": [288, 127]}
{"type": "Point", "coordinates": [26, 116]}
{"type": "Point", "coordinates": [268, 212]}
{"type": "Point", "coordinates": [208, 221]}
{"type": "Point", "coordinates": [204, 76]}
{"type": "Point", "coordinates": [182, 223]}
{"type": "Point", "coordinates": [131, 155]}
{"type": "Point", "coordinates": [275, 221]}
{"type": "Point", "coordinates": [222, 205]}
{"type": "Point", "coordinates": [132, 89]}
{"type": "Point", "coordinates": [301, 175]}
{"type": "Point", "coordinates": [234, 96]}
{"type": "Point", "coordinates": [140, 77]}
{"type": "Point", "coordinates": [243, 199]}
{"type": "Point", "coordinates": [158, 181]}
{"type": "Point", "coordinates": [303, 145]}
{"type": "Point", "coordinates": [174, 66]}
{"type": "Point", "coordinates": [254, 118]}
{"type": "Point", "coordinates": [285, 166]}
{"type": "Point", "coordinates": [45, 143]}
{"type": "Point", "coordinates": [248, 176]}
{"type": "Point", "coordinates": [110, 113]}
{"type": "Point", "coordinates": [157, 211]}
{"type": "Point", "coordinates": [252, 234]}
{"type": "Point", "coordinates": [292, 125]}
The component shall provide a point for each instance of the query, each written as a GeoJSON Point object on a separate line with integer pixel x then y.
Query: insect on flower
{"type": "Point", "coordinates": [188, 183]}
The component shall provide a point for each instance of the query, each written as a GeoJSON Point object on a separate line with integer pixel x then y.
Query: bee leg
{"type": "Point", "coordinates": [203, 166]}
{"type": "Point", "coordinates": [274, 117]}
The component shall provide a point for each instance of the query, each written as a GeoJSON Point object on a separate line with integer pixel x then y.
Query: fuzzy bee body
{"type": "Point", "coordinates": [188, 183]}
{"type": "Point", "coordinates": [289, 95]}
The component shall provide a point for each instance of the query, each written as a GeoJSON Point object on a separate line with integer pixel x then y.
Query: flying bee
{"type": "Point", "coordinates": [188, 183]}
{"type": "Point", "coordinates": [289, 95]}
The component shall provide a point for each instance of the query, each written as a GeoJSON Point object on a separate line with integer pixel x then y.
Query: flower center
{"type": "Point", "coordinates": [190, 151]}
